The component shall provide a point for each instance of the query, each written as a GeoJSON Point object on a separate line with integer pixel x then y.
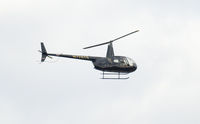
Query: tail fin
{"type": "Point", "coordinates": [44, 52]}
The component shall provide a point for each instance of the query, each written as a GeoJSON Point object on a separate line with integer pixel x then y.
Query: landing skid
{"type": "Point", "coordinates": [116, 78]}
{"type": "Point", "coordinates": [111, 74]}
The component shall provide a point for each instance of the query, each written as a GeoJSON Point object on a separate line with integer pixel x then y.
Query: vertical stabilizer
{"type": "Point", "coordinates": [44, 52]}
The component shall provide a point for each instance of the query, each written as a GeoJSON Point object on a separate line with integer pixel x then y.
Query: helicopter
{"type": "Point", "coordinates": [109, 65]}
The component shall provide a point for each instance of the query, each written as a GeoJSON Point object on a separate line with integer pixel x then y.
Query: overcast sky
{"type": "Point", "coordinates": [163, 90]}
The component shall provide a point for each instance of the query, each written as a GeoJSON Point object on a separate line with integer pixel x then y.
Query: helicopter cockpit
{"type": "Point", "coordinates": [124, 61]}
{"type": "Point", "coordinates": [130, 61]}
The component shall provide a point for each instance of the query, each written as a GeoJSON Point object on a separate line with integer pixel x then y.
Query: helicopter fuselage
{"type": "Point", "coordinates": [116, 64]}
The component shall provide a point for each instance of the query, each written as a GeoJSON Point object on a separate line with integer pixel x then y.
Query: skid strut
{"type": "Point", "coordinates": [118, 74]}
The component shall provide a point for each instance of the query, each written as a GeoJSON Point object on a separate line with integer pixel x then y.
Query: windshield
{"type": "Point", "coordinates": [130, 61]}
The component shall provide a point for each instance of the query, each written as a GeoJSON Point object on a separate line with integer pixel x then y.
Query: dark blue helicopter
{"type": "Point", "coordinates": [118, 65]}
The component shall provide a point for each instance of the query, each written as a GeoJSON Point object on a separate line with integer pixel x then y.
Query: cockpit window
{"type": "Point", "coordinates": [122, 60]}
{"type": "Point", "coordinates": [130, 61]}
{"type": "Point", "coordinates": [116, 61]}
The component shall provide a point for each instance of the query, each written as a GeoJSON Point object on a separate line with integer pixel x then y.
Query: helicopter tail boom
{"type": "Point", "coordinates": [89, 58]}
{"type": "Point", "coordinates": [45, 54]}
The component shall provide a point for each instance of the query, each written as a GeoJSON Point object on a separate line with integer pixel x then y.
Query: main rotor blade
{"type": "Point", "coordinates": [97, 45]}
{"type": "Point", "coordinates": [111, 40]}
{"type": "Point", "coordinates": [124, 36]}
